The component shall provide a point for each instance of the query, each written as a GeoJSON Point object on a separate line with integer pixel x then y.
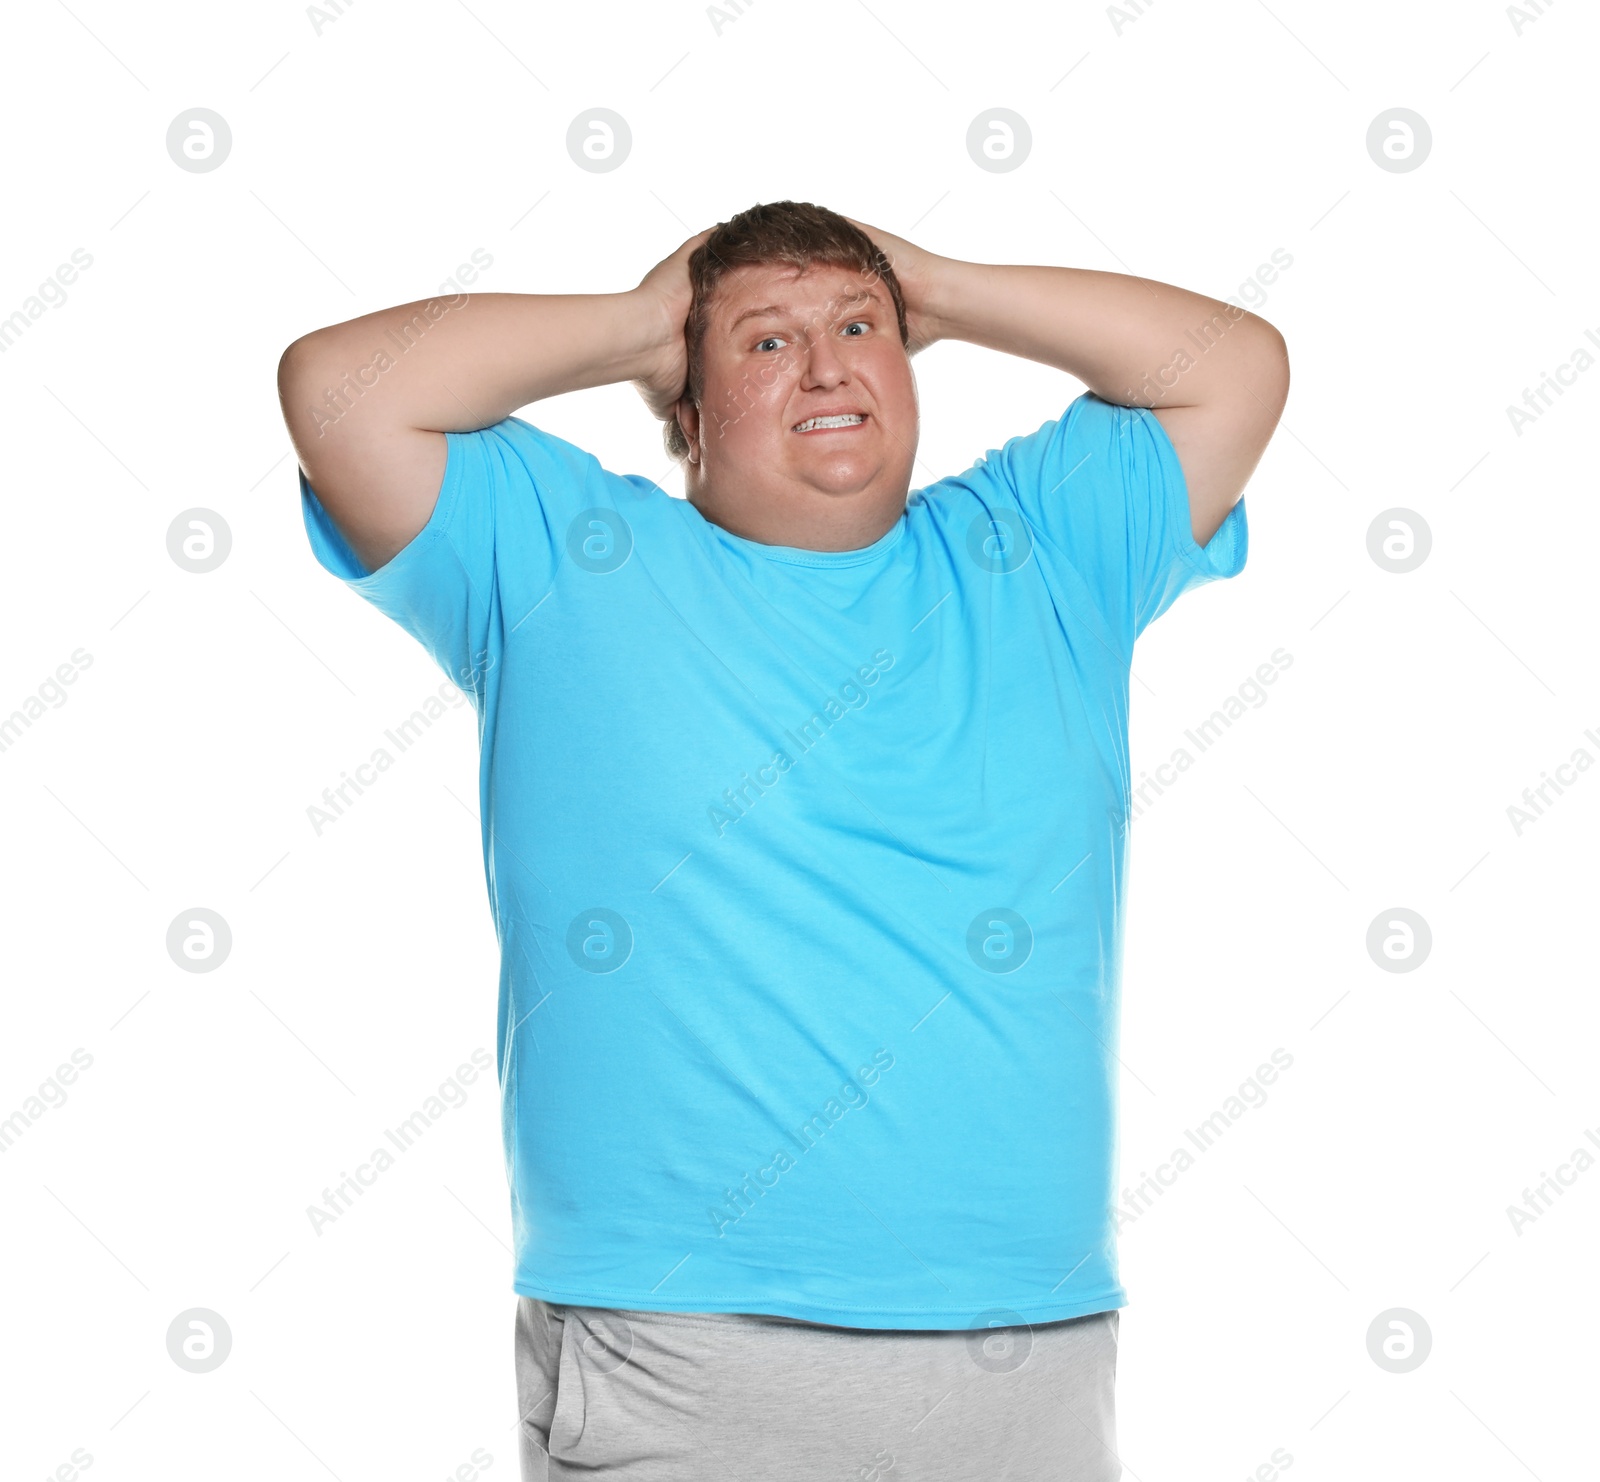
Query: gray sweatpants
{"type": "Point", "coordinates": [690, 1396]}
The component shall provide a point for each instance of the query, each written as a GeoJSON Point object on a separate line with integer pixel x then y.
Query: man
{"type": "Point", "coordinates": [805, 810]}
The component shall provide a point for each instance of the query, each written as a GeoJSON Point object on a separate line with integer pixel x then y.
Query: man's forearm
{"type": "Point", "coordinates": [459, 364]}
{"type": "Point", "coordinates": [1130, 340]}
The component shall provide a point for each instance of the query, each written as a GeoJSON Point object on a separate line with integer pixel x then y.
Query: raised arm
{"type": "Point", "coordinates": [1215, 374]}
{"type": "Point", "coordinates": [368, 401]}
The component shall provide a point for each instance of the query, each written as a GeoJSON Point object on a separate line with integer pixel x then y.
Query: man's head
{"type": "Point", "coordinates": [795, 314]}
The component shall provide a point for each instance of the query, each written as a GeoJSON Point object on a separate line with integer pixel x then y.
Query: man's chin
{"type": "Point", "coordinates": [836, 475]}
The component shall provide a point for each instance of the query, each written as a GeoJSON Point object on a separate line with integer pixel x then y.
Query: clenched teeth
{"type": "Point", "coordinates": [844, 419]}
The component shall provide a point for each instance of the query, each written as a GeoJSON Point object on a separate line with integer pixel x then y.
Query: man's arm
{"type": "Point", "coordinates": [368, 401]}
{"type": "Point", "coordinates": [1215, 375]}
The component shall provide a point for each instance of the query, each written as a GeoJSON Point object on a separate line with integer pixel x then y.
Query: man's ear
{"type": "Point", "coordinates": [688, 415]}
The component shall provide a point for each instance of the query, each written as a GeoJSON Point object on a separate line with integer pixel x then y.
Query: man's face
{"type": "Point", "coordinates": [784, 347]}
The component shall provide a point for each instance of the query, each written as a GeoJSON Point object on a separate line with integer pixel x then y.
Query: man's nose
{"type": "Point", "coordinates": [824, 366]}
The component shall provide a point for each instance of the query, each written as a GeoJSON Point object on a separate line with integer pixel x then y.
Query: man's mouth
{"type": "Point", "coordinates": [824, 424]}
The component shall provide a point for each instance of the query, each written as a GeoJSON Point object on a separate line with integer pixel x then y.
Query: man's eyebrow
{"type": "Point", "coordinates": [855, 296]}
{"type": "Point", "coordinates": [760, 313]}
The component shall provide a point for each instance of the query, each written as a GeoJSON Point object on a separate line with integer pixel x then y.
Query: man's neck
{"type": "Point", "coordinates": [816, 522]}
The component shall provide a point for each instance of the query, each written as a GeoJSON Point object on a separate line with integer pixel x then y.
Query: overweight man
{"type": "Point", "coordinates": [805, 808]}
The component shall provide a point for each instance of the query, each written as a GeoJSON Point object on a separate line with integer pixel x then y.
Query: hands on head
{"type": "Point", "coordinates": [665, 292]}
{"type": "Point", "coordinates": [917, 272]}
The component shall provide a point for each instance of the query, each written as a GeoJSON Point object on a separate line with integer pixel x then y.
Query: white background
{"type": "Point", "coordinates": [369, 158]}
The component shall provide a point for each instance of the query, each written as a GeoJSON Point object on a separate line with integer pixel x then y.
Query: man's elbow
{"type": "Point", "coordinates": [295, 366]}
{"type": "Point", "coordinates": [1267, 373]}
{"type": "Point", "coordinates": [303, 373]}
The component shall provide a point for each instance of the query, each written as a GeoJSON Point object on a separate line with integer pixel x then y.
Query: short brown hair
{"type": "Point", "coordinates": [794, 232]}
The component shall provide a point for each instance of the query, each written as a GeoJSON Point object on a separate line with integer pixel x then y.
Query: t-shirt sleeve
{"type": "Point", "coordinates": [487, 554]}
{"type": "Point", "coordinates": [1103, 485]}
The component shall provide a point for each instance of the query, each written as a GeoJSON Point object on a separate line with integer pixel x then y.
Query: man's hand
{"type": "Point", "coordinates": [921, 275]}
{"type": "Point", "coordinates": [664, 298]}
{"type": "Point", "coordinates": [1215, 375]}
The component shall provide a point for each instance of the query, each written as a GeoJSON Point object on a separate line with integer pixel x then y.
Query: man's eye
{"type": "Point", "coordinates": [862, 323]}
{"type": "Point", "coordinates": [770, 340]}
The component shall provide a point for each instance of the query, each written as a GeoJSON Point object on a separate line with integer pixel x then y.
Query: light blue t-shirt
{"type": "Point", "coordinates": [807, 869]}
